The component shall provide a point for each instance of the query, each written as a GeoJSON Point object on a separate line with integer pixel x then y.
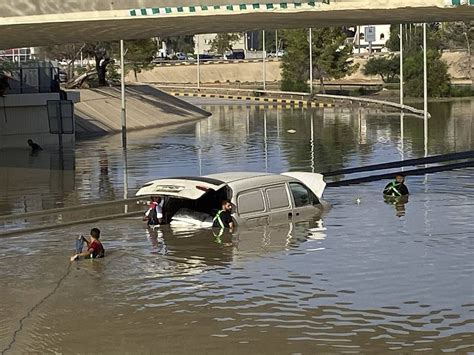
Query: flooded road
{"type": "Point", "coordinates": [378, 278]}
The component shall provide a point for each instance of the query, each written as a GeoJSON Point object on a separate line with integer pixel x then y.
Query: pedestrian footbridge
{"type": "Point", "coordinates": [46, 22]}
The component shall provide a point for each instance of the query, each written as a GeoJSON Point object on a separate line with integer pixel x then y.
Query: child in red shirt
{"type": "Point", "coordinates": [95, 249]}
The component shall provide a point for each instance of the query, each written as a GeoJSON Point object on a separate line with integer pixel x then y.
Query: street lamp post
{"type": "Point", "coordinates": [425, 92]}
{"type": "Point", "coordinates": [123, 114]}
{"type": "Point", "coordinates": [198, 65]}
{"type": "Point", "coordinates": [402, 128]}
{"type": "Point", "coordinates": [311, 60]}
{"type": "Point", "coordinates": [276, 43]}
{"type": "Point", "coordinates": [401, 65]}
{"type": "Point", "coordinates": [264, 57]}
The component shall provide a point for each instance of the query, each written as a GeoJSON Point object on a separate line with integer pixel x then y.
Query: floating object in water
{"type": "Point", "coordinates": [79, 244]}
{"type": "Point", "coordinates": [292, 131]}
{"type": "Point", "coordinates": [358, 200]}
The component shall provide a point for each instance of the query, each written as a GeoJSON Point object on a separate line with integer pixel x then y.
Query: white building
{"type": "Point", "coordinates": [19, 54]}
{"type": "Point", "coordinates": [202, 43]}
{"type": "Point", "coordinates": [361, 44]}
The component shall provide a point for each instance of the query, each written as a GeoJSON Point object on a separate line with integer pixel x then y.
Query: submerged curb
{"type": "Point", "coordinates": [265, 100]}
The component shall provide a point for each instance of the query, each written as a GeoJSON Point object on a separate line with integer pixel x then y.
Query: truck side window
{"type": "Point", "coordinates": [278, 197]}
{"type": "Point", "coordinates": [302, 195]}
{"type": "Point", "coordinates": [250, 202]}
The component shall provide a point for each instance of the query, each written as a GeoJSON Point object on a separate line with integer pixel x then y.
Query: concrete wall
{"type": "Point", "coordinates": [211, 73]}
{"type": "Point", "coordinates": [25, 116]}
{"type": "Point", "coordinates": [99, 110]}
{"type": "Point", "coordinates": [457, 62]}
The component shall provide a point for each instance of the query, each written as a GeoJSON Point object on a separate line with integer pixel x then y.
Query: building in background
{"type": "Point", "coordinates": [361, 43]}
{"type": "Point", "coordinates": [19, 55]}
{"type": "Point", "coordinates": [202, 43]}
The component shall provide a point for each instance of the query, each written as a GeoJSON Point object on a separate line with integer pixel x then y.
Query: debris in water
{"type": "Point", "coordinates": [291, 131]}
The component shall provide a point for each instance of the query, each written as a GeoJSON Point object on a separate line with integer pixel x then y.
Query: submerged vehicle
{"type": "Point", "coordinates": [257, 198]}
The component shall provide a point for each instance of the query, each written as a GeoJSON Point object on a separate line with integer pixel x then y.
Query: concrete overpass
{"type": "Point", "coordinates": [45, 22]}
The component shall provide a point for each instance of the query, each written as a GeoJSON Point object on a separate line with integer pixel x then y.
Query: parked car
{"type": "Point", "coordinates": [159, 60]}
{"type": "Point", "coordinates": [181, 56]}
{"type": "Point", "coordinates": [206, 57]}
{"type": "Point", "coordinates": [278, 54]}
{"type": "Point", "coordinates": [258, 198]}
{"type": "Point", "coordinates": [235, 54]}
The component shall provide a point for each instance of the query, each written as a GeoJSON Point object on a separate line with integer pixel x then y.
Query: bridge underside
{"type": "Point", "coordinates": [38, 30]}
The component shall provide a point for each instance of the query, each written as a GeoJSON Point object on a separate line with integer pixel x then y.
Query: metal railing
{"type": "Point", "coordinates": [32, 77]}
{"type": "Point", "coordinates": [294, 96]}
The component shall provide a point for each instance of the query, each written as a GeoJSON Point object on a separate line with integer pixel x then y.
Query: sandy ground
{"type": "Point", "coordinates": [252, 72]}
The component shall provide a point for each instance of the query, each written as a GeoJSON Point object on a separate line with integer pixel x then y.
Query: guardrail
{"type": "Point", "coordinates": [21, 223]}
{"type": "Point", "coordinates": [351, 99]}
{"type": "Point", "coordinates": [240, 92]}
{"type": "Point", "coordinates": [298, 97]}
{"type": "Point", "coordinates": [171, 63]}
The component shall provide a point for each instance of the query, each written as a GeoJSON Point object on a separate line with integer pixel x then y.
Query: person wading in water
{"type": "Point", "coordinates": [223, 218]}
{"type": "Point", "coordinates": [396, 188]}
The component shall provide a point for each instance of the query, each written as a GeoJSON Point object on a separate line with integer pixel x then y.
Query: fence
{"type": "Point", "coordinates": [32, 77]}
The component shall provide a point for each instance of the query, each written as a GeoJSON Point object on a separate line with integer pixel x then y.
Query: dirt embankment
{"type": "Point", "coordinates": [458, 63]}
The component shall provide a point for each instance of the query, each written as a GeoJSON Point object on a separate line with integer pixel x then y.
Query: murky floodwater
{"type": "Point", "coordinates": [380, 278]}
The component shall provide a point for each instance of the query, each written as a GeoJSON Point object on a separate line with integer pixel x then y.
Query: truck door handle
{"type": "Point", "coordinates": [290, 215]}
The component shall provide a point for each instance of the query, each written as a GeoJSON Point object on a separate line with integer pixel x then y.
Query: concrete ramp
{"type": "Point", "coordinates": [99, 110]}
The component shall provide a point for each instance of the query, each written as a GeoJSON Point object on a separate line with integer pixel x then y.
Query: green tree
{"type": "Point", "coordinates": [183, 44]}
{"type": "Point", "coordinates": [388, 68]}
{"type": "Point", "coordinates": [69, 52]}
{"type": "Point", "coordinates": [413, 37]}
{"type": "Point", "coordinates": [457, 35]}
{"type": "Point", "coordinates": [7, 66]}
{"type": "Point", "coordinates": [102, 53]}
{"type": "Point", "coordinates": [331, 57]}
{"type": "Point", "coordinates": [438, 77]}
{"type": "Point", "coordinates": [223, 42]}
{"type": "Point", "coordinates": [139, 54]}
{"type": "Point", "coordinates": [295, 61]}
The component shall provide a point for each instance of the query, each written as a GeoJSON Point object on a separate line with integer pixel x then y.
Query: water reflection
{"type": "Point", "coordinates": [291, 288]}
{"type": "Point", "coordinates": [31, 183]}
{"type": "Point", "coordinates": [234, 138]}
{"type": "Point", "coordinates": [364, 281]}
{"type": "Point", "coordinates": [399, 203]}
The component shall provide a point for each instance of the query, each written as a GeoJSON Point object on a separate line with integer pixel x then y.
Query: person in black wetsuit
{"type": "Point", "coordinates": [396, 188]}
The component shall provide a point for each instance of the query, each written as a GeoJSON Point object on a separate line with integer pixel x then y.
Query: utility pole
{"type": "Point", "coordinates": [276, 43]}
{"type": "Point", "coordinates": [402, 128]}
{"type": "Point", "coordinates": [401, 65]}
{"type": "Point", "coordinates": [358, 39]}
{"type": "Point", "coordinates": [425, 91]}
{"type": "Point", "coordinates": [264, 57]}
{"type": "Point", "coordinates": [123, 114]}
{"type": "Point", "coordinates": [310, 60]}
{"type": "Point", "coordinates": [198, 65]}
